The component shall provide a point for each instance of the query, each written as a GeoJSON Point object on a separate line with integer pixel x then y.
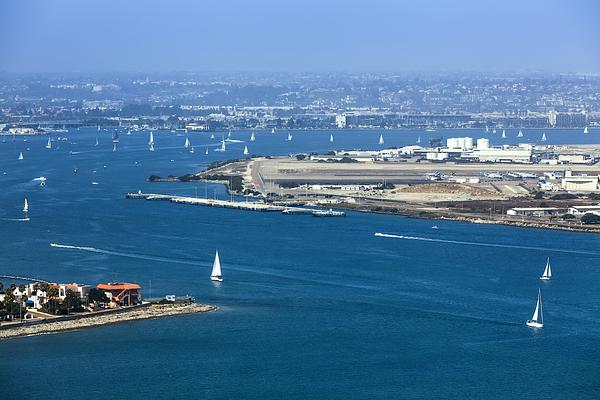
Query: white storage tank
{"type": "Point", "coordinates": [483, 143]}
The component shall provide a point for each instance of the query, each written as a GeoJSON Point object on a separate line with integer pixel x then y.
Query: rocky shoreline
{"type": "Point", "coordinates": [135, 314]}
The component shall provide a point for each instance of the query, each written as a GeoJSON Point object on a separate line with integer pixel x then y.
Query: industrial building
{"type": "Point", "coordinates": [580, 183]}
{"type": "Point", "coordinates": [534, 211]}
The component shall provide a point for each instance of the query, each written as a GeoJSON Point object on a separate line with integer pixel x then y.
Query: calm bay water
{"type": "Point", "coordinates": [310, 308]}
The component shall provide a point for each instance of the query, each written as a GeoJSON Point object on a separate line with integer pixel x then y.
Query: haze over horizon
{"type": "Point", "coordinates": [297, 36]}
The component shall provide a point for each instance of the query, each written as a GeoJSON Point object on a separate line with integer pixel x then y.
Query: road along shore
{"type": "Point", "coordinates": [134, 314]}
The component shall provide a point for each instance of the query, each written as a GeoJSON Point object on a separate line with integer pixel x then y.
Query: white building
{"type": "Point", "coordinates": [507, 154]}
{"type": "Point", "coordinates": [580, 183]}
{"type": "Point", "coordinates": [582, 210]}
{"type": "Point", "coordinates": [340, 121]}
{"type": "Point", "coordinates": [483, 143]}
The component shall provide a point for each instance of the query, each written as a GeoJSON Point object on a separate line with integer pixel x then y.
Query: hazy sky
{"type": "Point", "coordinates": [299, 35]}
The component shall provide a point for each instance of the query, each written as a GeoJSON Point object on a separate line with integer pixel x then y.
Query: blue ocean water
{"type": "Point", "coordinates": [310, 308]}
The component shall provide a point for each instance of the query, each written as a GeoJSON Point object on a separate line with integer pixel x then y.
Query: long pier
{"type": "Point", "coordinates": [238, 205]}
{"type": "Point", "coordinates": [24, 278]}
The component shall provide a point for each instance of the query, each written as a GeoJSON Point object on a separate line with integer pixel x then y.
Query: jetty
{"type": "Point", "coordinates": [238, 205]}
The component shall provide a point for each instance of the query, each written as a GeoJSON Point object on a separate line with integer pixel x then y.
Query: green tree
{"type": "Point", "coordinates": [97, 296]}
{"type": "Point", "coordinates": [72, 301]}
{"type": "Point", "coordinates": [590, 218]}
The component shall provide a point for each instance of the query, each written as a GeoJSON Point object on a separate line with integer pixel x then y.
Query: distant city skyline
{"type": "Point", "coordinates": [296, 36]}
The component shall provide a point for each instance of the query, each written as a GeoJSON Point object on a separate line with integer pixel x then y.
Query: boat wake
{"type": "Point", "coordinates": [508, 246]}
{"type": "Point", "coordinates": [120, 254]}
{"type": "Point", "coordinates": [16, 219]}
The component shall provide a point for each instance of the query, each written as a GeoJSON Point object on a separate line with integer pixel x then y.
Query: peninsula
{"type": "Point", "coordinates": [554, 187]}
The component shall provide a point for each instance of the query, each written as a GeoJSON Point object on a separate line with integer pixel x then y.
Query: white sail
{"type": "Point", "coordinates": [115, 147]}
{"type": "Point", "coordinates": [547, 271]}
{"type": "Point", "coordinates": [49, 145]}
{"type": "Point", "coordinates": [536, 311]}
{"type": "Point", "coordinates": [229, 135]}
{"type": "Point", "coordinates": [494, 131]}
{"type": "Point", "coordinates": [192, 150]}
{"type": "Point", "coordinates": [272, 130]}
{"type": "Point", "coordinates": [246, 152]}
{"type": "Point", "coordinates": [252, 138]}
{"type": "Point", "coordinates": [96, 142]}
{"type": "Point", "coordinates": [503, 133]}
{"type": "Point", "coordinates": [206, 152]}
{"type": "Point", "coordinates": [151, 146]}
{"type": "Point", "coordinates": [212, 136]}
{"type": "Point", "coordinates": [223, 145]}
{"type": "Point", "coordinates": [151, 142]}
{"type": "Point", "coordinates": [544, 137]}
{"type": "Point", "coordinates": [585, 130]}
{"type": "Point", "coordinates": [331, 138]}
{"type": "Point", "coordinates": [216, 269]}
{"type": "Point", "coordinates": [187, 143]}
{"type": "Point", "coordinates": [26, 206]}
{"type": "Point", "coordinates": [21, 155]}
{"type": "Point", "coordinates": [381, 141]}
{"type": "Point", "coordinates": [419, 140]}
{"type": "Point", "coordinates": [537, 319]}
{"type": "Point", "coordinates": [487, 129]}
{"type": "Point", "coordinates": [520, 134]}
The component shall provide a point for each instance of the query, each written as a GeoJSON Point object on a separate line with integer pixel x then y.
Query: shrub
{"type": "Point", "coordinates": [590, 218]}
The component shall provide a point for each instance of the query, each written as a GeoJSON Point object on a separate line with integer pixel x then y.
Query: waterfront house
{"type": "Point", "coordinates": [121, 293]}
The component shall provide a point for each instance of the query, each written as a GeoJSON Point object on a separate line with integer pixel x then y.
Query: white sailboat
{"type": "Point", "coordinates": [128, 132]}
{"type": "Point", "coordinates": [547, 271]}
{"type": "Point", "coordinates": [289, 138]}
{"type": "Point", "coordinates": [26, 206]}
{"type": "Point", "coordinates": [544, 137]}
{"type": "Point", "coordinates": [222, 148]}
{"type": "Point", "coordinates": [49, 144]}
{"type": "Point", "coordinates": [503, 133]}
{"type": "Point", "coordinates": [331, 138]}
{"type": "Point", "coordinates": [381, 141]}
{"type": "Point", "coordinates": [21, 156]}
{"type": "Point", "coordinates": [206, 152]}
{"type": "Point", "coordinates": [114, 147]}
{"type": "Point", "coordinates": [520, 134]}
{"type": "Point", "coordinates": [252, 138]}
{"type": "Point", "coordinates": [272, 130]}
{"type": "Point", "coordinates": [419, 140]}
{"type": "Point", "coordinates": [537, 320]}
{"type": "Point", "coordinates": [487, 129]}
{"type": "Point", "coordinates": [187, 143]}
{"type": "Point", "coordinates": [494, 131]}
{"type": "Point", "coordinates": [96, 142]}
{"type": "Point", "coordinates": [192, 150]}
{"type": "Point", "coordinates": [229, 135]}
{"type": "Point", "coordinates": [246, 152]}
{"type": "Point", "coordinates": [212, 136]}
{"type": "Point", "coordinates": [585, 130]}
{"type": "Point", "coordinates": [151, 142]}
{"type": "Point", "coordinates": [216, 274]}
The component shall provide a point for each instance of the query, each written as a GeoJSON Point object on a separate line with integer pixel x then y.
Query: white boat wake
{"type": "Point", "coordinates": [16, 219]}
{"type": "Point", "coordinates": [509, 246]}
